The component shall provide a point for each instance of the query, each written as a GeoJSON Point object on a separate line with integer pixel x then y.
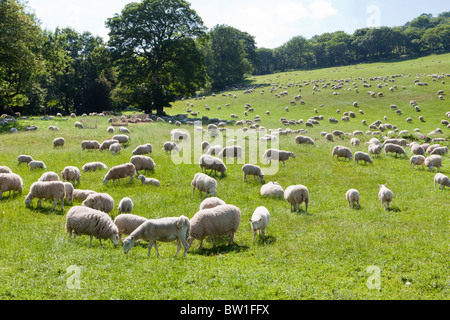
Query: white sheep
{"type": "Point", "coordinates": [277, 155]}
{"type": "Point", "coordinates": [79, 125]}
{"type": "Point", "coordinates": [143, 163]}
{"type": "Point", "coordinates": [170, 146]}
{"type": "Point", "coordinates": [50, 190]}
{"type": "Point", "coordinates": [211, 202]}
{"type": "Point", "coordinates": [214, 150]}
{"type": "Point", "coordinates": [296, 195]}
{"type": "Point", "coordinates": [177, 135]}
{"type": "Point", "coordinates": [99, 201]}
{"type": "Point", "coordinates": [49, 176]}
{"type": "Point", "coordinates": [252, 170]}
{"type": "Point", "coordinates": [71, 174]}
{"type": "Point", "coordinates": [107, 143]}
{"type": "Point", "coordinates": [10, 182]}
{"type": "Point", "coordinates": [122, 138]}
{"type": "Point", "coordinates": [417, 149]}
{"type": "Point", "coordinates": [361, 156]}
{"type": "Point", "coordinates": [352, 196]}
{"type": "Point", "coordinates": [212, 163]}
{"type": "Point", "coordinates": [442, 151]}
{"type": "Point", "coordinates": [385, 195]}
{"type": "Point", "coordinates": [342, 152]}
{"type": "Point", "coordinates": [92, 166]}
{"type": "Point", "coordinates": [68, 192]}
{"type": "Point", "coordinates": [416, 160]}
{"type": "Point", "coordinates": [24, 159]}
{"type": "Point", "coordinates": [82, 220]}
{"type": "Point", "coordinates": [90, 145]}
{"type": "Point", "coordinates": [272, 189]}
{"type": "Point", "coordinates": [394, 148]}
{"type": "Point", "coordinates": [120, 172]}
{"type": "Point", "coordinates": [221, 220]}
{"type": "Point", "coordinates": [231, 152]}
{"type": "Point", "coordinates": [125, 205]}
{"type": "Point", "coordinates": [143, 149]}
{"type": "Point", "coordinates": [124, 130]}
{"type": "Point", "coordinates": [110, 129]}
{"type": "Point", "coordinates": [304, 140]}
{"type": "Point", "coordinates": [442, 180]}
{"type": "Point", "coordinates": [259, 221]}
{"type": "Point", "coordinates": [36, 165]}
{"type": "Point", "coordinates": [375, 149]}
{"type": "Point", "coordinates": [5, 169]}
{"type": "Point", "coordinates": [434, 161]}
{"type": "Point", "coordinates": [58, 142]}
{"type": "Point", "coordinates": [79, 194]}
{"type": "Point", "coordinates": [204, 183]}
{"type": "Point", "coordinates": [126, 223]}
{"type": "Point", "coordinates": [164, 230]}
{"type": "Point", "coordinates": [149, 181]}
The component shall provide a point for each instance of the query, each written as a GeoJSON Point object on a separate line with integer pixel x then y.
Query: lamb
{"type": "Point", "coordinates": [212, 202]}
{"type": "Point", "coordinates": [252, 170]}
{"type": "Point", "coordinates": [107, 143]}
{"type": "Point", "coordinates": [231, 152]}
{"type": "Point", "coordinates": [125, 205]}
{"type": "Point", "coordinates": [342, 152]}
{"type": "Point", "coordinates": [46, 190]}
{"type": "Point", "coordinates": [296, 195]}
{"type": "Point", "coordinates": [92, 166]}
{"type": "Point", "coordinates": [442, 151]}
{"type": "Point", "coordinates": [272, 189]}
{"type": "Point", "coordinates": [115, 148]}
{"type": "Point", "coordinates": [143, 149]}
{"type": "Point", "coordinates": [36, 165]}
{"type": "Point", "coordinates": [71, 174]}
{"type": "Point", "coordinates": [126, 223]}
{"type": "Point", "coordinates": [259, 221]}
{"type": "Point", "coordinates": [218, 221]}
{"type": "Point", "coordinates": [99, 201]}
{"type": "Point", "coordinates": [90, 145]}
{"type": "Point", "coordinates": [442, 180]}
{"type": "Point", "coordinates": [82, 220]}
{"type": "Point", "coordinates": [149, 181]}
{"type": "Point", "coordinates": [164, 230]}
{"type": "Point", "coordinates": [170, 146]}
{"type": "Point", "coordinates": [49, 176]}
{"type": "Point", "coordinates": [278, 155]}
{"type": "Point", "coordinates": [79, 194]}
{"type": "Point", "coordinates": [212, 163]}
{"type": "Point", "coordinates": [10, 182]}
{"type": "Point", "coordinates": [122, 138]}
{"type": "Point", "coordinates": [58, 142]}
{"type": "Point", "coordinates": [416, 160]}
{"type": "Point", "coordinates": [394, 148]}
{"type": "Point", "coordinates": [24, 159]}
{"type": "Point", "coordinates": [434, 161]}
{"type": "Point", "coordinates": [352, 196]}
{"type": "Point", "coordinates": [385, 195]}
{"type": "Point", "coordinates": [204, 183]}
{"type": "Point", "coordinates": [120, 172]}
{"type": "Point", "coordinates": [361, 156]}
{"type": "Point", "coordinates": [304, 140]}
{"type": "Point", "coordinates": [143, 163]}
{"type": "Point", "coordinates": [68, 192]}
{"type": "Point", "coordinates": [375, 149]}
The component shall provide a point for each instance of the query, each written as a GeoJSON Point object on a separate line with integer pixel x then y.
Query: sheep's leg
{"type": "Point", "coordinates": [150, 245]}
{"type": "Point", "coordinates": [306, 207]}
{"type": "Point", "coordinates": [231, 238]}
{"type": "Point", "coordinates": [90, 241]}
{"type": "Point", "coordinates": [40, 203]}
{"type": "Point", "coordinates": [254, 235]}
{"type": "Point", "coordinates": [214, 242]}
{"type": "Point", "coordinates": [178, 246]}
{"type": "Point", "coordinates": [156, 248]}
{"type": "Point", "coordinates": [193, 190]}
{"type": "Point", "coordinates": [245, 176]}
{"type": "Point", "coordinates": [263, 233]}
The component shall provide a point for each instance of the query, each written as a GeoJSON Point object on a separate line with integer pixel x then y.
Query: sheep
{"type": "Point", "coordinates": [36, 165]}
{"type": "Point", "coordinates": [214, 150]}
{"type": "Point", "coordinates": [400, 142]}
{"type": "Point", "coordinates": [24, 159]}
{"type": "Point", "coordinates": [222, 220]}
{"type": "Point", "coordinates": [46, 190]}
{"type": "Point", "coordinates": [352, 196]}
{"type": "Point", "coordinates": [442, 180]}
{"type": "Point", "coordinates": [5, 169]}
{"type": "Point", "coordinates": [278, 155]}
{"type": "Point", "coordinates": [93, 166]}
{"type": "Point", "coordinates": [122, 138]}
{"type": "Point", "coordinates": [434, 161]}
{"type": "Point", "coordinates": [417, 149]}
{"type": "Point", "coordinates": [99, 201]}
{"type": "Point", "coordinates": [124, 130]}
{"type": "Point", "coordinates": [212, 202]}
{"type": "Point", "coordinates": [212, 163]}
{"type": "Point", "coordinates": [204, 183]}
{"type": "Point", "coordinates": [361, 156]}
{"type": "Point", "coordinates": [107, 143]}
{"type": "Point", "coordinates": [79, 125]}
{"type": "Point", "coordinates": [385, 195]}
{"type": "Point", "coordinates": [416, 160]}
{"type": "Point", "coordinates": [110, 129]}
{"type": "Point", "coordinates": [442, 151]}
{"type": "Point", "coordinates": [394, 148]}
{"type": "Point", "coordinates": [170, 146]}
{"type": "Point", "coordinates": [164, 230]}
{"type": "Point", "coordinates": [126, 223]}
{"type": "Point", "coordinates": [10, 182]}
{"type": "Point", "coordinates": [68, 192]}
{"type": "Point", "coordinates": [49, 176]}
{"type": "Point", "coordinates": [177, 135]}
{"type": "Point", "coordinates": [71, 174]}
{"type": "Point", "coordinates": [272, 189]}
{"type": "Point", "coordinates": [231, 152]}
{"type": "Point", "coordinates": [90, 145]}
{"type": "Point", "coordinates": [342, 152]}
{"type": "Point", "coordinates": [205, 146]}
{"type": "Point", "coordinates": [58, 142]}
{"type": "Point", "coordinates": [304, 140]}
{"type": "Point", "coordinates": [252, 170]}
{"type": "Point", "coordinates": [79, 194]}
{"type": "Point", "coordinates": [143, 163]}
{"type": "Point", "coordinates": [355, 142]}
{"type": "Point", "coordinates": [259, 221]}
{"type": "Point", "coordinates": [296, 195]}
{"type": "Point", "coordinates": [115, 148]}
{"type": "Point", "coordinates": [120, 172]}
{"type": "Point", "coordinates": [375, 149]}
{"type": "Point", "coordinates": [82, 220]}
{"type": "Point", "coordinates": [125, 205]}
{"type": "Point", "coordinates": [149, 181]}
{"type": "Point", "coordinates": [143, 149]}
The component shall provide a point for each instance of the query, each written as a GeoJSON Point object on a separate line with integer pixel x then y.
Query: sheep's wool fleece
{"type": "Point", "coordinates": [84, 220]}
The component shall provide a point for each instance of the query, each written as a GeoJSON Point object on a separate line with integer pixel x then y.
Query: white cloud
{"type": "Point", "coordinates": [321, 9]}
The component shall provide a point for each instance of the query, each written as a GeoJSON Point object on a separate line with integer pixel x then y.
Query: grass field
{"type": "Point", "coordinates": [324, 254]}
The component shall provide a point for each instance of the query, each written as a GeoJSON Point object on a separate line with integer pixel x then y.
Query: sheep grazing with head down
{"type": "Point", "coordinates": [143, 149]}
{"type": "Point", "coordinates": [125, 205]}
{"type": "Point", "coordinates": [252, 170]}
{"type": "Point", "coordinates": [204, 183]}
{"type": "Point", "coordinates": [5, 169]}
{"type": "Point", "coordinates": [50, 190]}
{"type": "Point", "coordinates": [442, 151]}
{"type": "Point", "coordinates": [24, 159]}
{"type": "Point", "coordinates": [164, 230]}
{"type": "Point", "coordinates": [36, 165]}
{"type": "Point", "coordinates": [115, 148]}
{"type": "Point", "coordinates": [375, 149]}
{"type": "Point", "coordinates": [259, 221]}
{"type": "Point", "coordinates": [71, 174]}
{"type": "Point", "coordinates": [361, 156]}
{"type": "Point", "coordinates": [296, 195]}
{"type": "Point", "coordinates": [10, 182]}
{"type": "Point", "coordinates": [304, 140]}
{"type": "Point", "coordinates": [107, 143]}
{"type": "Point", "coordinates": [81, 220]}
{"type": "Point", "coordinates": [211, 202]}
{"type": "Point", "coordinates": [68, 192]}
{"type": "Point", "coordinates": [207, 162]}
{"type": "Point", "coordinates": [442, 180]}
{"type": "Point", "coordinates": [434, 161]}
{"type": "Point", "coordinates": [126, 223]}
{"type": "Point", "coordinates": [79, 194]}
{"type": "Point", "coordinates": [122, 138]}
{"type": "Point", "coordinates": [93, 166]}
{"type": "Point", "coordinates": [352, 197]}
{"type": "Point", "coordinates": [277, 155]}
{"type": "Point", "coordinates": [416, 160]}
{"type": "Point", "coordinates": [231, 152]}
{"type": "Point", "coordinates": [99, 201]}
{"type": "Point", "coordinates": [58, 142]}
{"type": "Point", "coordinates": [120, 172]}
{"type": "Point", "coordinates": [272, 189]}
{"type": "Point", "coordinates": [385, 195]}
{"type": "Point", "coordinates": [90, 145]}
{"type": "Point", "coordinates": [221, 220]}
{"type": "Point", "coordinates": [170, 146]}
{"type": "Point", "coordinates": [342, 152]}
{"type": "Point", "coordinates": [49, 176]}
{"type": "Point", "coordinates": [394, 148]}
{"type": "Point", "coordinates": [143, 163]}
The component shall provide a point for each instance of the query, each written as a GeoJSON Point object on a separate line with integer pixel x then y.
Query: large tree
{"type": "Point", "coordinates": [152, 43]}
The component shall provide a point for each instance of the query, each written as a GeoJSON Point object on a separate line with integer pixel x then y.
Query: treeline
{"type": "Point", "coordinates": [159, 51]}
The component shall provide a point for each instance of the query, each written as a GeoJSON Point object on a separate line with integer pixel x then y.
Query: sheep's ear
{"type": "Point", "coordinates": [260, 219]}
{"type": "Point", "coordinates": [250, 220]}
{"type": "Point", "coordinates": [379, 185]}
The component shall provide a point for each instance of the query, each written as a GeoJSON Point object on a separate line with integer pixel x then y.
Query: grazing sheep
{"type": "Point", "coordinates": [79, 125]}
{"type": "Point", "coordinates": [394, 148]}
{"type": "Point", "coordinates": [90, 145]}
{"type": "Point", "coordinates": [99, 201]}
{"type": "Point", "coordinates": [400, 142]}
{"type": "Point", "coordinates": [107, 143]}
{"type": "Point", "coordinates": [10, 182]}
{"type": "Point", "coordinates": [361, 156]}
{"type": "Point", "coordinates": [124, 130]}
{"type": "Point", "coordinates": [252, 170]}
{"type": "Point", "coordinates": [82, 220]}
{"type": "Point", "coordinates": [375, 149]}
{"type": "Point", "coordinates": [385, 195]}
{"type": "Point", "coordinates": [149, 181]}
{"type": "Point", "coordinates": [68, 192]}
{"type": "Point", "coordinates": [122, 138]}
{"type": "Point", "coordinates": [416, 160]}
{"type": "Point", "coordinates": [115, 148]}
{"type": "Point", "coordinates": [36, 165]}
{"type": "Point", "coordinates": [272, 189]}
{"type": "Point", "coordinates": [58, 142]}
{"type": "Point", "coordinates": [71, 174]}
{"type": "Point", "coordinates": [296, 195]}
{"type": "Point", "coordinates": [177, 135]}
{"type": "Point", "coordinates": [120, 172]}
{"type": "Point", "coordinates": [110, 129]}
{"type": "Point", "coordinates": [259, 221]}
{"type": "Point", "coordinates": [214, 150]}
{"type": "Point", "coordinates": [125, 205]}
{"type": "Point", "coordinates": [434, 161]}
{"type": "Point", "coordinates": [212, 163]}
{"type": "Point", "coordinates": [50, 190]}
{"type": "Point", "coordinates": [222, 220]}
{"type": "Point", "coordinates": [143, 163]}
{"type": "Point", "coordinates": [164, 230]}
{"type": "Point", "coordinates": [212, 202]}
{"type": "Point", "coordinates": [417, 149]}
{"type": "Point", "coordinates": [170, 146]}
{"type": "Point", "coordinates": [304, 140]}
{"type": "Point", "coordinates": [24, 159]}
{"type": "Point", "coordinates": [143, 149]}
{"type": "Point", "coordinates": [277, 155]}
{"type": "Point", "coordinates": [205, 146]}
{"type": "Point", "coordinates": [442, 180]}
{"type": "Point", "coordinates": [49, 176]}
{"type": "Point", "coordinates": [342, 152]}
{"type": "Point", "coordinates": [442, 151]}
{"type": "Point", "coordinates": [231, 152]}
{"type": "Point", "coordinates": [92, 166]}
{"type": "Point", "coordinates": [5, 169]}
{"type": "Point", "coordinates": [79, 194]}
{"type": "Point", "coordinates": [355, 142]}
{"type": "Point", "coordinates": [126, 223]}
{"type": "Point", "coordinates": [204, 183]}
{"type": "Point", "coordinates": [352, 196]}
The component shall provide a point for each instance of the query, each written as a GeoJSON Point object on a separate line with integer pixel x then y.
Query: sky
{"type": "Point", "coordinates": [271, 22]}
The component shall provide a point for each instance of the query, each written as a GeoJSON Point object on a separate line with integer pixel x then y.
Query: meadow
{"type": "Point", "coordinates": [330, 252]}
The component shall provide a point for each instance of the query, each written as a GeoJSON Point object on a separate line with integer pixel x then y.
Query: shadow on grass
{"type": "Point", "coordinates": [219, 249]}
{"type": "Point", "coordinates": [267, 240]}
{"type": "Point", "coordinates": [394, 209]}
{"type": "Point", "coordinates": [47, 210]}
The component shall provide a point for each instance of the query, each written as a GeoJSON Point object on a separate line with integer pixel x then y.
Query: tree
{"type": "Point", "coordinates": [152, 45]}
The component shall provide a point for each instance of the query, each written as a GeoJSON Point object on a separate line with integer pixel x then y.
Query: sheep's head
{"type": "Point", "coordinates": [128, 243]}
{"type": "Point", "coordinates": [28, 200]}
{"type": "Point", "coordinates": [255, 223]}
{"type": "Point", "coordinates": [115, 239]}
{"type": "Point", "coordinates": [291, 154]}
